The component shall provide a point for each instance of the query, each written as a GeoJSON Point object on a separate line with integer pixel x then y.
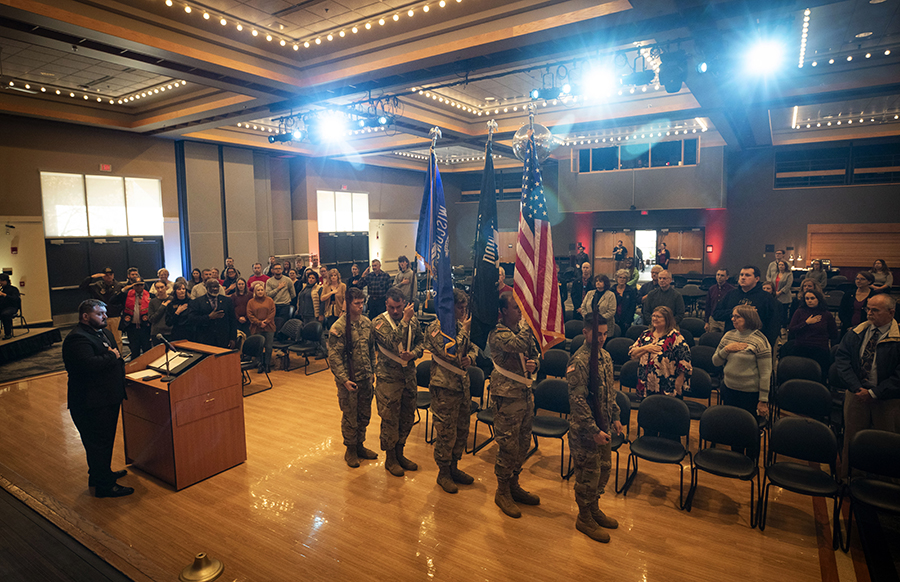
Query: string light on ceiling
{"type": "Point", "coordinates": [651, 132]}
{"type": "Point", "coordinates": [803, 36]}
{"type": "Point", "coordinates": [295, 43]}
{"type": "Point", "coordinates": [453, 159]}
{"type": "Point", "coordinates": [846, 119]}
{"type": "Point", "coordinates": [48, 90]}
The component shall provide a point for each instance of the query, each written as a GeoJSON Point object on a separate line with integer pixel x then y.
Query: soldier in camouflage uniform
{"type": "Point", "coordinates": [450, 398]}
{"type": "Point", "coordinates": [352, 369]}
{"type": "Point", "coordinates": [512, 402]}
{"type": "Point", "coordinates": [399, 338]}
{"type": "Point", "coordinates": [590, 446]}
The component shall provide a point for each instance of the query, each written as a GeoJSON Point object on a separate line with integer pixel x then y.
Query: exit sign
{"type": "Point", "coordinates": [106, 167]}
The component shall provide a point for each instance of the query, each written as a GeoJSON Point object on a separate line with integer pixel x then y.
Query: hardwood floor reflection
{"type": "Point", "coordinates": [295, 511]}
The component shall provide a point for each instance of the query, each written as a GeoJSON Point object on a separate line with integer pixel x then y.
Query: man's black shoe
{"type": "Point", "coordinates": [114, 491]}
{"type": "Point", "coordinates": [119, 474]}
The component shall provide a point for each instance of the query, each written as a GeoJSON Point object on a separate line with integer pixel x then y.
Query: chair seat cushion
{"type": "Point", "coordinates": [549, 426]}
{"type": "Point", "coordinates": [303, 347]}
{"type": "Point", "coordinates": [802, 479]}
{"type": "Point", "coordinates": [473, 407]}
{"type": "Point", "coordinates": [423, 399]}
{"type": "Point", "coordinates": [485, 415]}
{"type": "Point", "coordinates": [658, 449]}
{"type": "Point", "coordinates": [249, 365]}
{"type": "Point", "coordinates": [696, 409]}
{"type": "Point", "coordinates": [634, 397]}
{"type": "Point", "coordinates": [617, 441]}
{"type": "Point", "coordinates": [726, 463]}
{"type": "Point", "coordinates": [881, 495]}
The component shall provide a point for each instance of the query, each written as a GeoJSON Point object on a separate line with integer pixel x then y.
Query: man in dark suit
{"type": "Point", "coordinates": [212, 317]}
{"type": "Point", "coordinates": [96, 390]}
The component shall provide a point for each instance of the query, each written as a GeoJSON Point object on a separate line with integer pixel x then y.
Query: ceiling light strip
{"type": "Point", "coordinates": [803, 36]}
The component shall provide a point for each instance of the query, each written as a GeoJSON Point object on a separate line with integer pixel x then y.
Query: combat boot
{"type": "Point", "coordinates": [519, 495]}
{"type": "Point", "coordinates": [585, 524]}
{"type": "Point", "coordinates": [363, 453]}
{"type": "Point", "coordinates": [350, 456]}
{"type": "Point", "coordinates": [601, 518]}
{"type": "Point", "coordinates": [445, 480]}
{"type": "Point", "coordinates": [391, 464]}
{"type": "Point", "coordinates": [504, 499]}
{"type": "Point", "coordinates": [404, 462]}
{"type": "Point", "coordinates": [460, 477]}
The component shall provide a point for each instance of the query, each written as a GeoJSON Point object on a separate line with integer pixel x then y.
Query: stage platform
{"type": "Point", "coordinates": [27, 342]}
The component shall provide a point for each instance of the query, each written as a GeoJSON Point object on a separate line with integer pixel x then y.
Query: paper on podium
{"type": "Point", "coordinates": [175, 359]}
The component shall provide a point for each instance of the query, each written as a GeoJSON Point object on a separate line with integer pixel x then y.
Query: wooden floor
{"type": "Point", "coordinates": [295, 511]}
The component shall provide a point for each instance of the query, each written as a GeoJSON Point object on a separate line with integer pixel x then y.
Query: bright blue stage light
{"type": "Point", "coordinates": [765, 57]}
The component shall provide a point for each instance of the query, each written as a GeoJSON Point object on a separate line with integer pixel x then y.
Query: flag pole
{"type": "Point", "coordinates": [435, 134]}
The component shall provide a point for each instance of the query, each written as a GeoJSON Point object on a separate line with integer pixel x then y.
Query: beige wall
{"type": "Point", "coordinates": [30, 146]}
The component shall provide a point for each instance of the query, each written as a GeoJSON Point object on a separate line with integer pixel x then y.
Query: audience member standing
{"type": "Point", "coordinates": [852, 310]}
{"type": "Point", "coordinates": [196, 279]}
{"type": "Point", "coordinates": [240, 298]}
{"type": "Point", "coordinates": [261, 314]}
{"type": "Point", "coordinates": [581, 257]}
{"type": "Point", "coordinates": [378, 283]}
{"type": "Point", "coordinates": [817, 274]}
{"type": "Point", "coordinates": [652, 284]}
{"type": "Point", "coordinates": [664, 295]}
{"type": "Point", "coordinates": [750, 292]}
{"type": "Point", "coordinates": [257, 276]}
{"type": "Point", "coordinates": [355, 277]}
{"type": "Point", "coordinates": [773, 266]}
{"type": "Point", "coordinates": [798, 301]}
{"type": "Point", "coordinates": [663, 256]}
{"type": "Point", "coordinates": [884, 280]}
{"type": "Point", "coordinates": [406, 279]}
{"type": "Point", "coordinates": [626, 301]}
{"type": "Point", "coordinates": [96, 388]}
{"type": "Point", "coordinates": [230, 282]}
{"type": "Point", "coordinates": [868, 364]}
{"type": "Point", "coordinates": [272, 262]}
{"type": "Point", "coordinates": [135, 320]}
{"type": "Point", "coordinates": [281, 290]}
{"type": "Point", "coordinates": [103, 287]}
{"type": "Point", "coordinates": [782, 282]}
{"type": "Point", "coordinates": [633, 274]}
{"type": "Point", "coordinates": [351, 356]}
{"type": "Point", "coordinates": [811, 331]}
{"type": "Point", "coordinates": [664, 356]}
{"type": "Point", "coordinates": [308, 298]}
{"type": "Point", "coordinates": [177, 314]}
{"type": "Point", "coordinates": [607, 305]}
{"type": "Point", "coordinates": [157, 311]}
{"type": "Point", "coordinates": [746, 356]}
{"type": "Point", "coordinates": [212, 317]}
{"type": "Point", "coordinates": [516, 357]}
{"type": "Point", "coordinates": [331, 301]}
{"type": "Point", "coordinates": [10, 303]}
{"type": "Point", "coordinates": [619, 254]}
{"type": "Point", "coordinates": [502, 287]}
{"type": "Point", "coordinates": [163, 276]}
{"type": "Point", "coordinates": [581, 286]}
{"type": "Point", "coordinates": [713, 296]}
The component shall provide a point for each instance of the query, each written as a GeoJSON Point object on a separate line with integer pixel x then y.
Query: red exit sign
{"type": "Point", "coordinates": [106, 167]}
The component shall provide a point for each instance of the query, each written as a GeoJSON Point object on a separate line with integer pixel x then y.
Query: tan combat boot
{"type": "Point", "coordinates": [585, 524]}
{"type": "Point", "coordinates": [445, 480]}
{"type": "Point", "coordinates": [601, 518]}
{"type": "Point", "coordinates": [504, 499]}
{"type": "Point", "coordinates": [404, 462]}
{"type": "Point", "coordinates": [350, 456]}
{"type": "Point", "coordinates": [391, 464]}
{"type": "Point", "coordinates": [460, 477]}
{"type": "Point", "coordinates": [363, 453]}
{"type": "Point", "coordinates": [519, 495]}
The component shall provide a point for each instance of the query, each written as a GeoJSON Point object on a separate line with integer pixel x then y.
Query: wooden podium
{"type": "Point", "coordinates": [191, 428]}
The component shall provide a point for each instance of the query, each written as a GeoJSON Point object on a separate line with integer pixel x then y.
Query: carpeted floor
{"type": "Point", "coordinates": [44, 362]}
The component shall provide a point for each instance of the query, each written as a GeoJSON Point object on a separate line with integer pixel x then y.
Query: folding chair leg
{"type": "Point", "coordinates": [533, 449]}
{"type": "Point", "coordinates": [688, 504]}
{"type": "Point", "coordinates": [562, 459]}
{"type": "Point", "coordinates": [427, 418]}
{"type": "Point", "coordinates": [845, 542]}
{"type": "Point", "coordinates": [475, 446]}
{"type": "Point", "coordinates": [629, 474]}
{"type": "Point", "coordinates": [837, 540]}
{"type": "Point", "coordinates": [763, 507]}
{"type": "Point", "coordinates": [754, 515]}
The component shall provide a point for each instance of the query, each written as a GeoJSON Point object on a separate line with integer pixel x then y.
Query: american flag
{"type": "Point", "coordinates": [536, 280]}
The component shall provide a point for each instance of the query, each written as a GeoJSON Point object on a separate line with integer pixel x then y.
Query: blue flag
{"type": "Point", "coordinates": [485, 299]}
{"type": "Point", "coordinates": [433, 247]}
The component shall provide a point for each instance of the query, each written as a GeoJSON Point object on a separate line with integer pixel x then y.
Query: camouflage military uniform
{"type": "Point", "coordinates": [450, 398]}
{"type": "Point", "coordinates": [512, 402]}
{"type": "Point", "coordinates": [593, 462]}
{"type": "Point", "coordinates": [395, 386]}
{"type": "Point", "coordinates": [356, 406]}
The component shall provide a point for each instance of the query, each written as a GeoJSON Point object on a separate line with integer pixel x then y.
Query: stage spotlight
{"type": "Point", "coordinates": [331, 126]}
{"type": "Point", "coordinates": [702, 67]}
{"type": "Point", "coordinates": [383, 120]}
{"type": "Point", "coordinates": [566, 89]}
{"type": "Point", "coordinates": [764, 58]}
{"type": "Point", "coordinates": [280, 138]}
{"type": "Point", "coordinates": [673, 70]}
{"type": "Point", "coordinates": [297, 135]}
{"type": "Point", "coordinates": [535, 94]}
{"type": "Point", "coordinates": [638, 78]}
{"type": "Point", "coordinates": [597, 82]}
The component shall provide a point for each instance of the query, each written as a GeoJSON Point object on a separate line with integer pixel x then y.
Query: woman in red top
{"type": "Point", "coordinates": [240, 297]}
{"type": "Point", "coordinates": [261, 313]}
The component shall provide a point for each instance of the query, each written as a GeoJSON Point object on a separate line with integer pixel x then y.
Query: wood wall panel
{"type": "Point", "coordinates": [854, 245]}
